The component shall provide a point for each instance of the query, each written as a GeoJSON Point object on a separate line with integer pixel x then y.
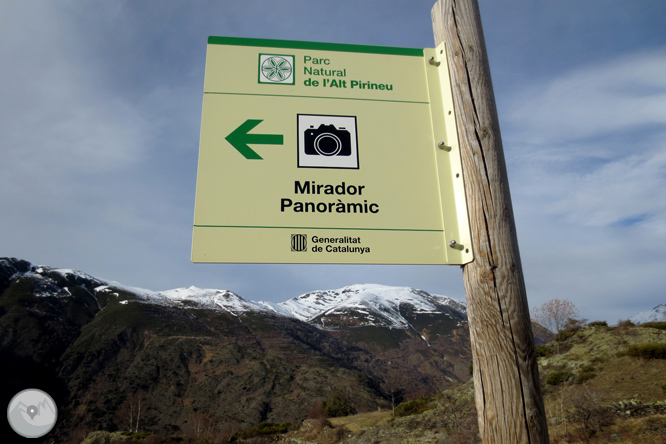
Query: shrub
{"type": "Point", "coordinates": [264, 429]}
{"type": "Point", "coordinates": [648, 350]}
{"type": "Point", "coordinates": [598, 324]}
{"type": "Point", "coordinates": [586, 373]}
{"type": "Point", "coordinates": [136, 436]}
{"type": "Point", "coordinates": [543, 351]}
{"type": "Point", "coordinates": [589, 413]}
{"type": "Point", "coordinates": [413, 407]}
{"type": "Point", "coordinates": [625, 323]}
{"type": "Point", "coordinates": [317, 411]}
{"type": "Point", "coordinates": [567, 333]}
{"type": "Point", "coordinates": [103, 437]}
{"type": "Point", "coordinates": [338, 406]}
{"type": "Point", "coordinates": [557, 378]}
{"type": "Point", "coordinates": [457, 410]}
{"type": "Point", "coordinates": [659, 325]}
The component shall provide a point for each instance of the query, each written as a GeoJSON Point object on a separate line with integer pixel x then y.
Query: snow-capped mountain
{"type": "Point", "coordinates": [98, 345]}
{"type": "Point", "coordinates": [352, 306]}
{"type": "Point", "coordinates": [657, 314]}
{"type": "Point", "coordinates": [189, 297]}
{"type": "Point", "coordinates": [369, 305]}
{"type": "Point", "coordinates": [58, 281]}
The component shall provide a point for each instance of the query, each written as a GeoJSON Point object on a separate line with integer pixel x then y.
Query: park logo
{"type": "Point", "coordinates": [276, 69]}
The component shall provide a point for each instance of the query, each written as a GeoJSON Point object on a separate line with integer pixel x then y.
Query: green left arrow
{"type": "Point", "coordinates": [240, 139]}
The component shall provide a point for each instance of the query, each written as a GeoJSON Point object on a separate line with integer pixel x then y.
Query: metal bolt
{"type": "Point", "coordinates": [432, 61]}
{"type": "Point", "coordinates": [443, 146]}
{"type": "Point", "coordinates": [452, 244]}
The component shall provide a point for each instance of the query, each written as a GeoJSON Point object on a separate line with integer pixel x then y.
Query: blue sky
{"type": "Point", "coordinates": [100, 106]}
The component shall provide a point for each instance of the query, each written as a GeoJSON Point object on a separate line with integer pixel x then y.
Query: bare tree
{"type": "Point", "coordinates": [555, 314]}
{"type": "Point", "coordinates": [392, 387]}
{"type": "Point", "coordinates": [130, 410]}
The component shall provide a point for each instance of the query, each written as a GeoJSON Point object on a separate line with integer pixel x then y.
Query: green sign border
{"type": "Point", "coordinates": [296, 44]}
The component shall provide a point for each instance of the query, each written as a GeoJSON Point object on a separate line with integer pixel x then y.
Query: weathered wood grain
{"type": "Point", "coordinates": [508, 395]}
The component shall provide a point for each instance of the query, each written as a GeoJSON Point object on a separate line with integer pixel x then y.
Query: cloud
{"type": "Point", "coordinates": [591, 142]}
{"type": "Point", "coordinates": [618, 95]}
{"type": "Point", "coordinates": [586, 155]}
{"type": "Point", "coordinates": [59, 123]}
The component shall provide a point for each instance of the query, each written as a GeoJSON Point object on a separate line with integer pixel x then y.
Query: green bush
{"type": "Point", "coordinates": [543, 351]}
{"type": "Point", "coordinates": [413, 407]}
{"type": "Point", "coordinates": [648, 350]}
{"type": "Point", "coordinates": [136, 436]}
{"type": "Point", "coordinates": [659, 325]}
{"type": "Point", "coordinates": [557, 378]}
{"type": "Point", "coordinates": [586, 373]}
{"type": "Point", "coordinates": [338, 406]}
{"type": "Point", "coordinates": [598, 324]}
{"type": "Point", "coordinates": [264, 429]}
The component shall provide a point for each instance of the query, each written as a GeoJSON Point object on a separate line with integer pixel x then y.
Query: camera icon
{"type": "Point", "coordinates": [327, 140]}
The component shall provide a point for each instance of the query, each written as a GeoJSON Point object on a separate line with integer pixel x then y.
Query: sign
{"type": "Point", "coordinates": [328, 153]}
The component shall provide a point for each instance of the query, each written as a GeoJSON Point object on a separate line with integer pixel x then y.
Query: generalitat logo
{"type": "Point", "coordinates": [32, 413]}
{"type": "Point", "coordinates": [299, 242]}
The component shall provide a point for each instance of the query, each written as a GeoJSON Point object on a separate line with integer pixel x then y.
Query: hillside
{"type": "Point", "coordinates": [420, 341]}
{"type": "Point", "coordinates": [600, 387]}
{"type": "Point", "coordinates": [193, 356]}
{"type": "Point", "coordinates": [194, 360]}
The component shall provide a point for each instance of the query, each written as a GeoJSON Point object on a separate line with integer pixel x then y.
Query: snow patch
{"type": "Point", "coordinates": [380, 304]}
{"type": "Point", "coordinates": [657, 314]}
{"type": "Point", "coordinates": [364, 304]}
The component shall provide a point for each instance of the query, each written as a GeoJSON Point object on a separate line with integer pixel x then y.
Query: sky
{"type": "Point", "coordinates": [100, 112]}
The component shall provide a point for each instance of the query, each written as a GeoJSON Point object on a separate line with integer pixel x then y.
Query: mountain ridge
{"type": "Point", "coordinates": [379, 303]}
{"type": "Point", "coordinates": [328, 300]}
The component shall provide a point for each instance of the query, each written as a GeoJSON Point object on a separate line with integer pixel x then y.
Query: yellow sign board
{"type": "Point", "coordinates": [328, 153]}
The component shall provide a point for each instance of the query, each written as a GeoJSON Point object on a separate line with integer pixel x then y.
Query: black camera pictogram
{"type": "Point", "coordinates": [327, 140]}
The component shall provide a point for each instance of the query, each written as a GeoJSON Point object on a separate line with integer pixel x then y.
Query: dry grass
{"type": "Point", "coordinates": [580, 410]}
{"type": "Point", "coordinates": [650, 430]}
{"type": "Point", "coordinates": [357, 423]}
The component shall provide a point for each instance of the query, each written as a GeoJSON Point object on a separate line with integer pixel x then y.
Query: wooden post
{"type": "Point", "coordinates": [508, 395]}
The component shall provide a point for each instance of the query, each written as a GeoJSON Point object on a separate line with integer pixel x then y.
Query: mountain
{"type": "Point", "coordinates": [419, 341]}
{"type": "Point", "coordinates": [194, 356]}
{"type": "Point", "coordinates": [370, 305]}
{"type": "Point", "coordinates": [657, 314]}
